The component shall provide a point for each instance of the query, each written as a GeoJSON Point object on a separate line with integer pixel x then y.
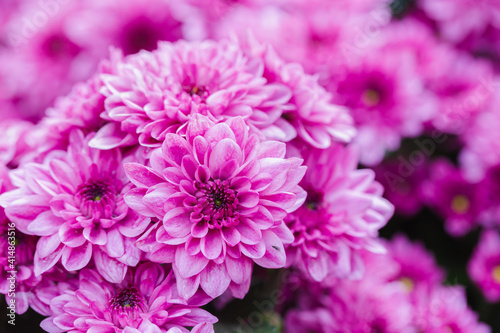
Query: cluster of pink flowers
{"type": "Point", "coordinates": [158, 158]}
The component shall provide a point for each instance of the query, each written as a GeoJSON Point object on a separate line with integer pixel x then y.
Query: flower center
{"type": "Point", "coordinates": [313, 200]}
{"type": "Point", "coordinates": [217, 204]}
{"type": "Point", "coordinates": [200, 92]}
{"type": "Point", "coordinates": [407, 283]}
{"type": "Point", "coordinates": [127, 305]}
{"type": "Point", "coordinates": [496, 274]}
{"type": "Point", "coordinates": [371, 97]}
{"type": "Point", "coordinates": [460, 204]}
{"type": "Point", "coordinates": [96, 198]}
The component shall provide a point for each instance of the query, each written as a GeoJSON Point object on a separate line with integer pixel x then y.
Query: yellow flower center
{"type": "Point", "coordinates": [496, 274]}
{"type": "Point", "coordinates": [371, 97]}
{"type": "Point", "coordinates": [407, 283]}
{"type": "Point", "coordinates": [460, 204]}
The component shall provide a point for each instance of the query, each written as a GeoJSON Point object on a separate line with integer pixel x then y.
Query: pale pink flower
{"type": "Point", "coordinates": [222, 196]}
{"type": "Point", "coordinates": [146, 301]}
{"type": "Point", "coordinates": [74, 202]}
{"type": "Point", "coordinates": [341, 216]}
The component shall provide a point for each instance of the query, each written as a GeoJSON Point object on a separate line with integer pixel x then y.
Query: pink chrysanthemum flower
{"type": "Point", "coordinates": [457, 19]}
{"type": "Point", "coordinates": [222, 196]}
{"type": "Point", "coordinates": [16, 257]}
{"type": "Point", "coordinates": [365, 306]}
{"type": "Point", "coordinates": [417, 267]}
{"type": "Point", "coordinates": [137, 26]}
{"type": "Point", "coordinates": [482, 143]}
{"type": "Point", "coordinates": [484, 266]}
{"type": "Point", "coordinates": [463, 88]}
{"type": "Point", "coordinates": [342, 214]}
{"type": "Point", "coordinates": [310, 116]}
{"type": "Point", "coordinates": [444, 309]}
{"type": "Point", "coordinates": [153, 93]}
{"type": "Point", "coordinates": [387, 99]}
{"type": "Point", "coordinates": [14, 141]}
{"type": "Point", "coordinates": [74, 201]}
{"type": "Point", "coordinates": [458, 201]}
{"type": "Point", "coordinates": [146, 301]}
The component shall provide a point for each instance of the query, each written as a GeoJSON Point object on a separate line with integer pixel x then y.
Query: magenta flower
{"type": "Point", "coordinates": [484, 266]}
{"type": "Point", "coordinates": [342, 214]}
{"type": "Point", "coordinates": [482, 143]}
{"type": "Point", "coordinates": [445, 309]}
{"type": "Point", "coordinates": [417, 267]}
{"type": "Point", "coordinates": [457, 19]}
{"type": "Point", "coordinates": [463, 88]}
{"type": "Point", "coordinates": [369, 305]}
{"type": "Point", "coordinates": [74, 202]}
{"type": "Point", "coordinates": [222, 196]}
{"type": "Point", "coordinates": [136, 26]}
{"type": "Point", "coordinates": [310, 115]}
{"type": "Point", "coordinates": [146, 301]}
{"type": "Point", "coordinates": [459, 202]}
{"type": "Point", "coordinates": [152, 94]}
{"type": "Point", "coordinates": [387, 99]}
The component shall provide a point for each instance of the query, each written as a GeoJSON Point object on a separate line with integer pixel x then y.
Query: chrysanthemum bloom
{"type": "Point", "coordinates": [417, 267]}
{"type": "Point", "coordinates": [16, 257]}
{"type": "Point", "coordinates": [444, 309]}
{"type": "Point", "coordinates": [387, 99]}
{"type": "Point", "coordinates": [456, 19]}
{"type": "Point", "coordinates": [310, 116]}
{"type": "Point", "coordinates": [146, 301]}
{"type": "Point", "coordinates": [222, 196]}
{"type": "Point", "coordinates": [45, 58]}
{"type": "Point", "coordinates": [459, 202]}
{"type": "Point", "coordinates": [342, 214]}
{"type": "Point", "coordinates": [153, 93]}
{"type": "Point", "coordinates": [14, 141]}
{"type": "Point", "coordinates": [365, 306]}
{"type": "Point", "coordinates": [463, 88]}
{"type": "Point", "coordinates": [137, 26]}
{"type": "Point", "coordinates": [482, 143]}
{"type": "Point", "coordinates": [74, 201]}
{"type": "Point", "coordinates": [484, 266]}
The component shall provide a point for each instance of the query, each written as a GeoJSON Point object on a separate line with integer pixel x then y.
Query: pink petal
{"type": "Point", "coordinates": [44, 264]}
{"type": "Point", "coordinates": [76, 258]}
{"type": "Point", "coordinates": [188, 287]}
{"type": "Point", "coordinates": [110, 269]}
{"type": "Point", "coordinates": [188, 265]}
{"type": "Point", "coordinates": [133, 199]}
{"type": "Point", "coordinates": [214, 279]}
{"type": "Point", "coordinates": [223, 152]}
{"type": "Point", "coordinates": [211, 244]}
{"type": "Point", "coordinates": [177, 222]}
{"type": "Point", "coordinates": [141, 176]}
{"type": "Point", "coordinates": [71, 237]}
{"type": "Point", "coordinates": [248, 199]}
{"type": "Point", "coordinates": [219, 133]}
{"type": "Point", "coordinates": [111, 136]}
{"type": "Point", "coordinates": [240, 270]}
{"type": "Point", "coordinates": [174, 148]}
{"type": "Point", "coordinates": [45, 224]}
{"type": "Point", "coordinates": [275, 256]}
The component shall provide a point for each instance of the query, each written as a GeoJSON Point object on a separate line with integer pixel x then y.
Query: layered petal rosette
{"type": "Point", "coordinates": [74, 202]}
{"type": "Point", "coordinates": [342, 214]}
{"type": "Point", "coordinates": [151, 94]}
{"type": "Point", "coordinates": [146, 301]}
{"type": "Point", "coordinates": [222, 196]}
